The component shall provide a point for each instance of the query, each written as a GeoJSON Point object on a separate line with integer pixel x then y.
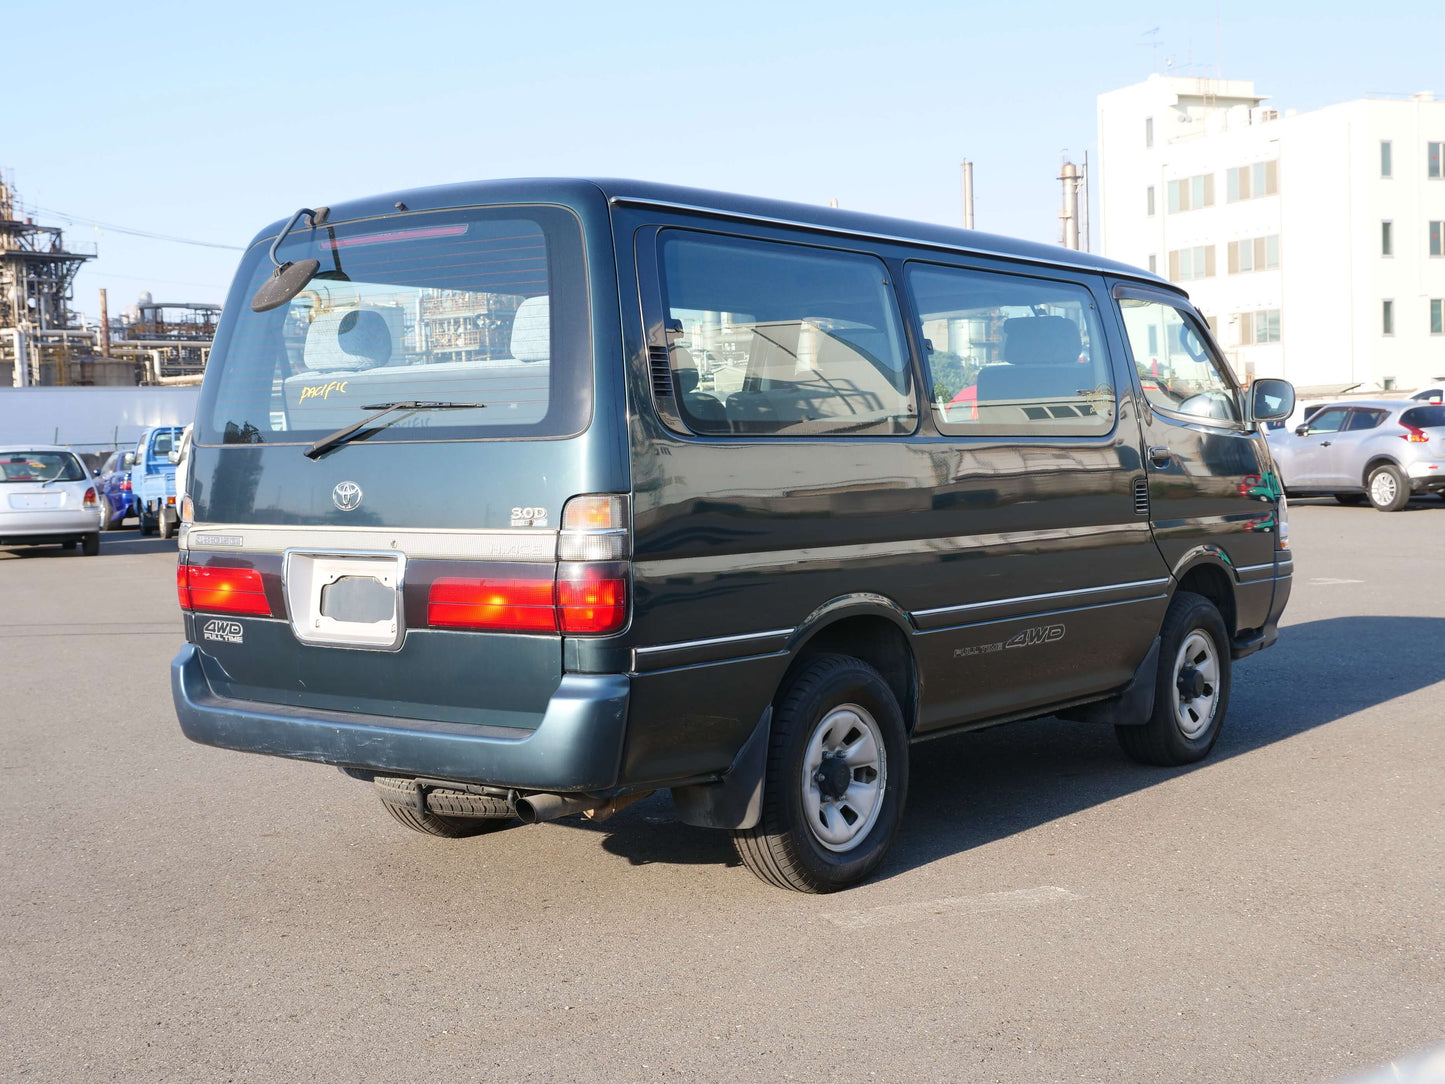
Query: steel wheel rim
{"type": "Point", "coordinates": [848, 733]}
{"type": "Point", "coordinates": [1382, 487]}
{"type": "Point", "coordinates": [1193, 714]}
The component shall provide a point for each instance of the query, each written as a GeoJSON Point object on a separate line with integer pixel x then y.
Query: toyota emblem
{"type": "Point", "coordinates": [346, 496]}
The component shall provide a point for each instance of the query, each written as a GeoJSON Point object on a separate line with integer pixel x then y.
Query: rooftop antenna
{"type": "Point", "coordinates": [1153, 43]}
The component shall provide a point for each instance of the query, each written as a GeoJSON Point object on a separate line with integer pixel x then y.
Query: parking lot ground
{"type": "Point", "coordinates": [1050, 911]}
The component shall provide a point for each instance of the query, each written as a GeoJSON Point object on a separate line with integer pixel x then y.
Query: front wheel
{"type": "Point", "coordinates": [1191, 691]}
{"type": "Point", "coordinates": [836, 779]}
{"type": "Point", "coordinates": [1388, 489]}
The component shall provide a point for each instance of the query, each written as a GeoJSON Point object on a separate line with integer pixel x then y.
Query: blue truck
{"type": "Point", "coordinates": [153, 480]}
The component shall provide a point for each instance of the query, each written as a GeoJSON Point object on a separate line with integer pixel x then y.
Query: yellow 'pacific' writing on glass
{"type": "Point", "coordinates": [323, 391]}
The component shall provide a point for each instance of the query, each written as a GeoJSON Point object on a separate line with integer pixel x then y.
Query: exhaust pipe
{"type": "Point", "coordinates": [536, 808]}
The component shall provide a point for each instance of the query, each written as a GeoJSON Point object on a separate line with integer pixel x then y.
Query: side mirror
{"type": "Point", "coordinates": [1302, 430]}
{"type": "Point", "coordinates": [95, 472]}
{"type": "Point", "coordinates": [1270, 399]}
{"type": "Point", "coordinates": [173, 456]}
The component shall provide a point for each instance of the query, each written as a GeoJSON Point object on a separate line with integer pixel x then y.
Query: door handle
{"type": "Point", "coordinates": [1326, 443]}
{"type": "Point", "coordinates": [1160, 456]}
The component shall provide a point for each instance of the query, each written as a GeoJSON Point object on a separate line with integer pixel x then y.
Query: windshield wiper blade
{"type": "Point", "coordinates": [341, 436]}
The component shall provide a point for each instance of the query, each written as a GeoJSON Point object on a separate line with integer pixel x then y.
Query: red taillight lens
{"type": "Point", "coordinates": [222, 590]}
{"type": "Point", "coordinates": [125, 485]}
{"type": "Point", "coordinates": [591, 600]}
{"type": "Point", "coordinates": [90, 501]}
{"type": "Point", "coordinates": [502, 604]}
{"type": "Point", "coordinates": [1413, 435]}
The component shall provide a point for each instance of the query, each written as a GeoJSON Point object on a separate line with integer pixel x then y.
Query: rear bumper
{"type": "Point", "coordinates": [577, 746]}
{"type": "Point", "coordinates": [21, 527]}
{"type": "Point", "coordinates": [1426, 475]}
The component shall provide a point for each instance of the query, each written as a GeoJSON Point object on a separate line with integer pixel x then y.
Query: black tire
{"type": "Point", "coordinates": [783, 849]}
{"type": "Point", "coordinates": [1384, 496]}
{"type": "Point", "coordinates": [1163, 740]}
{"type": "Point", "coordinates": [147, 525]}
{"type": "Point", "coordinates": [106, 523]}
{"type": "Point", "coordinates": [70, 543]}
{"type": "Point", "coordinates": [165, 526]}
{"type": "Point", "coordinates": [90, 544]}
{"type": "Point", "coordinates": [451, 814]}
{"type": "Point", "coordinates": [1354, 500]}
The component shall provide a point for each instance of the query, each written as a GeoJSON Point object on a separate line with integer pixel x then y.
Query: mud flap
{"type": "Point", "coordinates": [1131, 707]}
{"type": "Point", "coordinates": [735, 800]}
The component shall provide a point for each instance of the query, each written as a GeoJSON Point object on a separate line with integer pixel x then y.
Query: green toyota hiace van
{"type": "Point", "coordinates": [525, 499]}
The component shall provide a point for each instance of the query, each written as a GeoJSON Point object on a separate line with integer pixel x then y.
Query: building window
{"type": "Point", "coordinates": [1437, 239]}
{"type": "Point", "coordinates": [1252, 182]}
{"type": "Point", "coordinates": [1186, 264]}
{"type": "Point", "coordinates": [1259, 327]}
{"type": "Point", "coordinates": [1437, 316]}
{"type": "Point", "coordinates": [1436, 153]}
{"type": "Point", "coordinates": [1385, 164]}
{"type": "Point", "coordinates": [1387, 317]}
{"type": "Point", "coordinates": [1153, 264]}
{"type": "Point", "coordinates": [1149, 200]}
{"type": "Point", "coordinates": [1256, 254]}
{"type": "Point", "coordinates": [1148, 131]}
{"type": "Point", "coordinates": [1387, 238]}
{"type": "Point", "coordinates": [1191, 193]}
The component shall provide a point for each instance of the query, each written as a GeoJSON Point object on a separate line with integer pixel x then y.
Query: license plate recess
{"type": "Point", "coordinates": [346, 599]}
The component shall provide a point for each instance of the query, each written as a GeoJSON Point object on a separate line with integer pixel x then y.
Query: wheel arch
{"type": "Point", "coordinates": [873, 628]}
{"type": "Point", "coordinates": [1208, 571]}
{"type": "Point", "coordinates": [1379, 459]}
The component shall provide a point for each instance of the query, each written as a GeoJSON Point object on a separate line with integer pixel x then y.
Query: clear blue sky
{"type": "Point", "coordinates": [208, 121]}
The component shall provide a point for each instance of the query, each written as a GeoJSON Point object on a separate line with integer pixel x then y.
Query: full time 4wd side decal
{"type": "Point", "coordinates": [1039, 634]}
{"type": "Point", "coordinates": [228, 632]}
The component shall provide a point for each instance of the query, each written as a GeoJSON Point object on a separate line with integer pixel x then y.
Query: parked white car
{"type": "Point", "coordinates": [47, 497]}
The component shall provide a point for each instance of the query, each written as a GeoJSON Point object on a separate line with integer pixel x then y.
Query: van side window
{"type": "Point", "coordinates": [1177, 368]}
{"type": "Point", "coordinates": [1010, 354]}
{"type": "Point", "coordinates": [783, 340]}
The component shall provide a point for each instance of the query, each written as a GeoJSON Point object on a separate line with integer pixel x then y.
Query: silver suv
{"type": "Point", "coordinates": [1382, 450]}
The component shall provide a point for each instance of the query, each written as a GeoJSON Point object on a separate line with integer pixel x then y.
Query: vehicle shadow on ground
{"type": "Point", "coordinates": [971, 789]}
{"type": "Point", "coordinates": [1420, 503]}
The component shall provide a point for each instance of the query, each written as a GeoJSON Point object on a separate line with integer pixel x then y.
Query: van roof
{"type": "Point", "coordinates": [751, 208]}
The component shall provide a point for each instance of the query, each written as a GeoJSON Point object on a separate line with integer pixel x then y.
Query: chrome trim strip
{"type": "Point", "coordinates": [917, 242]}
{"type": "Point", "coordinates": [967, 607]}
{"type": "Point", "coordinates": [683, 645]}
{"type": "Point", "coordinates": [766, 561]}
{"type": "Point", "coordinates": [1253, 568]}
{"type": "Point", "coordinates": [418, 543]}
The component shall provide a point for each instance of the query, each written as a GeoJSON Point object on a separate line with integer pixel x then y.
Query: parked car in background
{"type": "Point", "coordinates": [1430, 395]}
{"type": "Point", "coordinates": [47, 497]}
{"type": "Point", "coordinates": [1380, 450]}
{"type": "Point", "coordinates": [153, 480]}
{"type": "Point", "coordinates": [181, 457]}
{"type": "Point", "coordinates": [117, 498]}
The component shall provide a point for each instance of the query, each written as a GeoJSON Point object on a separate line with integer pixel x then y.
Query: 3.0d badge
{"type": "Point", "coordinates": [346, 496]}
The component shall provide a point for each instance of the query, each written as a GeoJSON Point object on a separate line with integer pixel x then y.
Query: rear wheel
{"type": "Point", "coordinates": [165, 524]}
{"type": "Point", "coordinates": [1352, 499]}
{"type": "Point", "coordinates": [451, 814]}
{"type": "Point", "coordinates": [836, 780]}
{"type": "Point", "coordinates": [1387, 488]}
{"type": "Point", "coordinates": [1191, 692]}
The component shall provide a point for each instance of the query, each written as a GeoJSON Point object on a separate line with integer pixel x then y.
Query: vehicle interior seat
{"type": "Point", "coordinates": [532, 329]}
{"type": "Point", "coordinates": [1043, 371]}
{"type": "Point", "coordinates": [347, 340]}
{"type": "Point", "coordinates": [707, 411]}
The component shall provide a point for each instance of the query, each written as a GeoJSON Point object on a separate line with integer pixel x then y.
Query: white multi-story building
{"type": "Point", "coordinates": [1314, 242]}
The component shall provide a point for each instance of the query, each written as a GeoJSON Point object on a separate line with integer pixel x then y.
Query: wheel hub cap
{"type": "Point", "coordinates": [1196, 684]}
{"type": "Point", "coordinates": [845, 774]}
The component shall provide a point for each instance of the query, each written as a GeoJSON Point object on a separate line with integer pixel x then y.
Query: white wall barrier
{"type": "Point", "coordinates": [91, 419]}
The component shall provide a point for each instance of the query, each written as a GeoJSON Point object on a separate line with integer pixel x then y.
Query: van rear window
{"type": "Point", "coordinates": [485, 306]}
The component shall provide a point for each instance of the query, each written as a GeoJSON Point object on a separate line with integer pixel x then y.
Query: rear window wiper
{"type": "Point", "coordinates": [341, 436]}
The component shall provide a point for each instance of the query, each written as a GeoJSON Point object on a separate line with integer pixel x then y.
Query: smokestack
{"type": "Point", "coordinates": [967, 194]}
{"type": "Point", "coordinates": [104, 327]}
{"type": "Point", "coordinates": [1069, 215]}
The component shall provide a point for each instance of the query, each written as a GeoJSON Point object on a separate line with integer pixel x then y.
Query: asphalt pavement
{"type": "Point", "coordinates": [1050, 911]}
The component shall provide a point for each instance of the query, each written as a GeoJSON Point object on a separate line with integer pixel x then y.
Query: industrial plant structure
{"type": "Point", "coordinates": [43, 342]}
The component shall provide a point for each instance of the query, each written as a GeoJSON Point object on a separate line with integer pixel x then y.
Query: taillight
{"type": "Point", "coordinates": [1413, 435]}
{"type": "Point", "coordinates": [222, 590]}
{"type": "Point", "coordinates": [514, 605]}
{"type": "Point", "coordinates": [595, 528]}
{"type": "Point", "coordinates": [90, 501]}
{"type": "Point", "coordinates": [591, 598]}
{"type": "Point", "coordinates": [125, 485]}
